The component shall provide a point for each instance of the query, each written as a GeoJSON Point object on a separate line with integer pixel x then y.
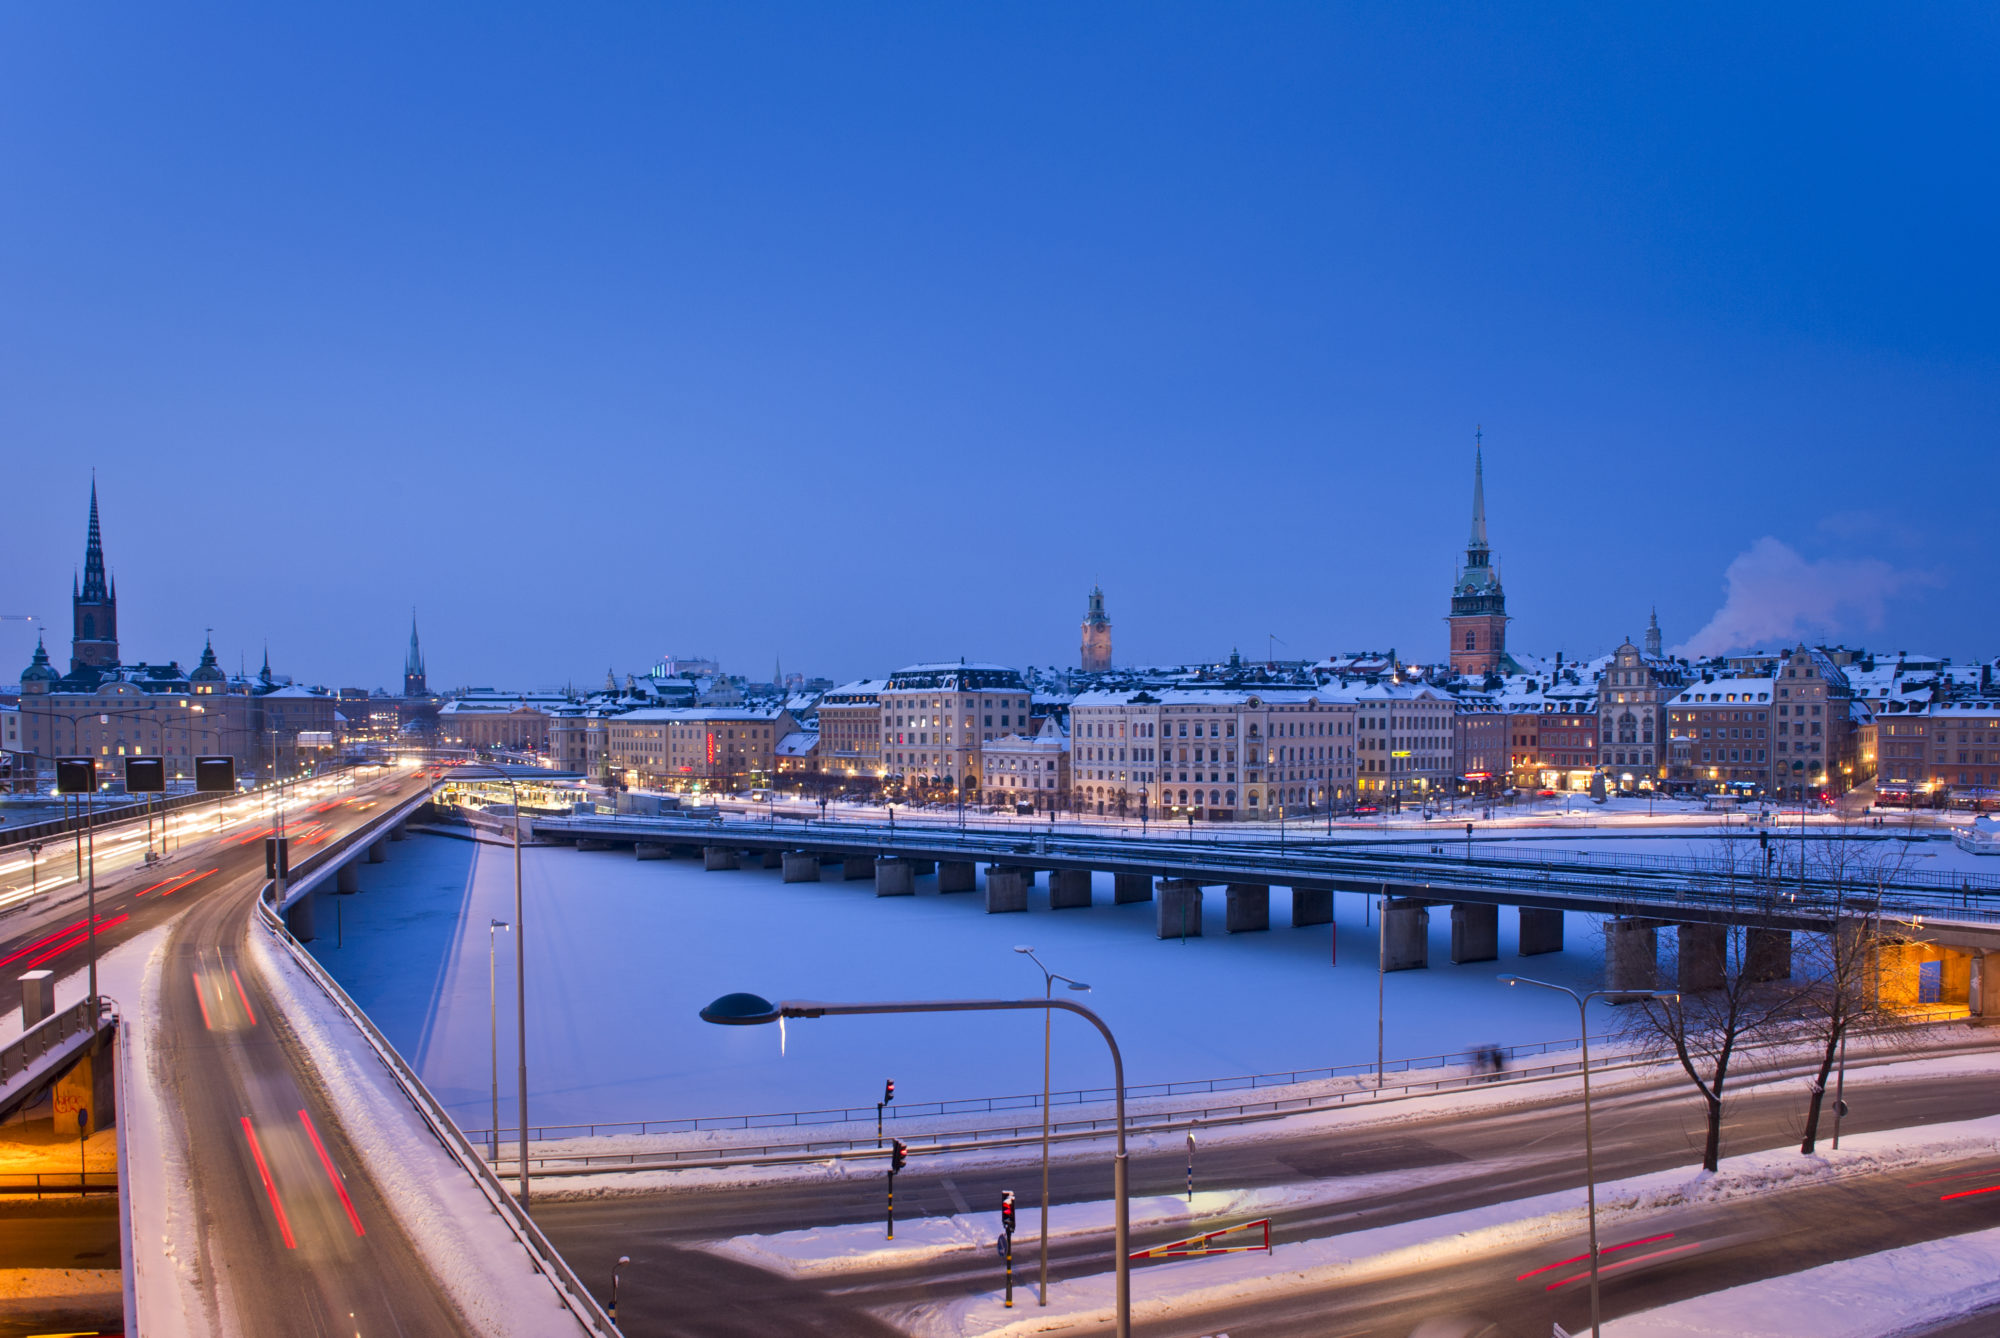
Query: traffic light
{"type": "Point", "coordinates": [1007, 1212]}
{"type": "Point", "coordinates": [888, 1091]}
{"type": "Point", "coordinates": [899, 1153]}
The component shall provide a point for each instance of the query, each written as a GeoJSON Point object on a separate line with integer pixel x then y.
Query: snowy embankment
{"type": "Point", "coordinates": [483, 1267]}
{"type": "Point", "coordinates": [1188, 1287]}
{"type": "Point", "coordinates": [1908, 1291]}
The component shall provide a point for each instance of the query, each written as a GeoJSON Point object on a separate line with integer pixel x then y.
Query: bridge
{"type": "Point", "coordinates": [281, 1169]}
{"type": "Point", "coordinates": [1770, 887]}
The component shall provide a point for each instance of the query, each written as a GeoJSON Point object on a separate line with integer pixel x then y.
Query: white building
{"type": "Point", "coordinates": [1027, 768]}
{"type": "Point", "coordinates": [936, 717]}
{"type": "Point", "coordinates": [1404, 733]}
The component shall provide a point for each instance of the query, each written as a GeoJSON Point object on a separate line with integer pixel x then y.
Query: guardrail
{"type": "Point", "coordinates": [21, 1053]}
{"type": "Point", "coordinates": [575, 1296]}
{"type": "Point", "coordinates": [796, 1119]}
{"type": "Point", "coordinates": [66, 1183]}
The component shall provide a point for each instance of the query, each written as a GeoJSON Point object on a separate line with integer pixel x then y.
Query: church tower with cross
{"type": "Point", "coordinates": [1478, 605]}
{"type": "Point", "coordinates": [93, 606]}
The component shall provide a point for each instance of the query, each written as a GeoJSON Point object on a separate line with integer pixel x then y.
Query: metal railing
{"type": "Point", "coordinates": [988, 1105]}
{"type": "Point", "coordinates": [65, 1183]}
{"type": "Point", "coordinates": [50, 1033]}
{"type": "Point", "coordinates": [571, 1290]}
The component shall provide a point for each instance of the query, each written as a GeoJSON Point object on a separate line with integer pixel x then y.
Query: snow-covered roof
{"type": "Point", "coordinates": [799, 743]}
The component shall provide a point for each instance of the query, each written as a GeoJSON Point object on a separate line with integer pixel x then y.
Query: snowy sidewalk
{"type": "Point", "coordinates": [1187, 1287]}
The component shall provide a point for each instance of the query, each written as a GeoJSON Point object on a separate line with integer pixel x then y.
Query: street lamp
{"type": "Point", "coordinates": [493, 928]}
{"type": "Point", "coordinates": [477, 771]}
{"type": "Point", "coordinates": [740, 1010]}
{"type": "Point", "coordinates": [1049, 979]}
{"type": "Point", "coordinates": [623, 1260]}
{"type": "Point", "coordinates": [1589, 1151]}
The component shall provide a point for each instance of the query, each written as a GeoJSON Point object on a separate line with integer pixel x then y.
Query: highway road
{"type": "Point", "coordinates": [294, 1231]}
{"type": "Point", "coordinates": [1494, 1158]}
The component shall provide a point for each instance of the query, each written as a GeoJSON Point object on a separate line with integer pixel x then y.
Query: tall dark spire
{"type": "Point", "coordinates": [413, 665]}
{"type": "Point", "coordinates": [93, 605]}
{"type": "Point", "coordinates": [94, 585]}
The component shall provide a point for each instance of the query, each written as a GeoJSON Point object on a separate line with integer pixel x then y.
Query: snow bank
{"type": "Point", "coordinates": [1898, 1292]}
{"type": "Point", "coordinates": [1189, 1286]}
{"type": "Point", "coordinates": [482, 1266]}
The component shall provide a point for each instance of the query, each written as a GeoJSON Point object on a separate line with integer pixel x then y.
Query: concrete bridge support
{"type": "Point", "coordinates": [652, 850]}
{"type": "Point", "coordinates": [1541, 931]}
{"type": "Point", "coordinates": [1248, 908]}
{"type": "Point", "coordinates": [1069, 889]}
{"type": "Point", "coordinates": [958, 876]}
{"type": "Point", "coordinates": [1767, 954]}
{"type": "Point", "coordinates": [857, 868]}
{"type": "Point", "coordinates": [347, 878]}
{"type": "Point", "coordinates": [593, 843]}
{"type": "Point", "coordinates": [1631, 955]}
{"type": "Point", "coordinates": [717, 857]}
{"type": "Point", "coordinates": [1127, 888]}
{"type": "Point", "coordinates": [923, 868]}
{"type": "Point", "coordinates": [299, 918]}
{"type": "Point", "coordinates": [398, 832]}
{"type": "Point", "coordinates": [801, 866]}
{"type": "Point", "coordinates": [1312, 906]}
{"type": "Point", "coordinates": [1703, 952]}
{"type": "Point", "coordinates": [895, 878]}
{"type": "Point", "coordinates": [1177, 909]}
{"type": "Point", "coordinates": [378, 850]}
{"type": "Point", "coordinates": [770, 859]}
{"type": "Point", "coordinates": [1006, 890]}
{"type": "Point", "coordinates": [1475, 933]}
{"type": "Point", "coordinates": [1406, 935]}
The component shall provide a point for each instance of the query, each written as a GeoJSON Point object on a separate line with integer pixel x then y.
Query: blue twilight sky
{"type": "Point", "coordinates": [858, 335]}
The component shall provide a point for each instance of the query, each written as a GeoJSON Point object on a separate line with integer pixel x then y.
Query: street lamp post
{"type": "Point", "coordinates": [1049, 979]}
{"type": "Point", "coordinates": [1589, 1150]}
{"type": "Point", "coordinates": [750, 1009]}
{"type": "Point", "coordinates": [493, 928]}
{"type": "Point", "coordinates": [623, 1260]}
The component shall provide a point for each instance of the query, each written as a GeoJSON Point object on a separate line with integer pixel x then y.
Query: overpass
{"type": "Point", "coordinates": [282, 1169]}
{"type": "Point", "coordinates": [1772, 892]}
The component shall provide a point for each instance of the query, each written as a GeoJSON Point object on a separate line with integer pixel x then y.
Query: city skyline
{"type": "Point", "coordinates": [1205, 314]}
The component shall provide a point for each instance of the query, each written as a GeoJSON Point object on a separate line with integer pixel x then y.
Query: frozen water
{"type": "Point", "coordinates": [621, 954]}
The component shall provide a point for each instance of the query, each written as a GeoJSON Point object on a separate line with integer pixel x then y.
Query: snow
{"type": "Point", "coordinates": [1184, 1286]}
{"type": "Point", "coordinates": [648, 943]}
{"type": "Point", "coordinates": [1896, 1292]}
{"type": "Point", "coordinates": [488, 1274]}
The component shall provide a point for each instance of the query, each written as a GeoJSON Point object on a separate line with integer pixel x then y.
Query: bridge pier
{"type": "Point", "coordinates": [595, 843]}
{"type": "Point", "coordinates": [1006, 889]}
{"type": "Point", "coordinates": [895, 878]}
{"type": "Point", "coordinates": [858, 867]}
{"type": "Point", "coordinates": [1475, 933]}
{"type": "Point", "coordinates": [958, 876]}
{"type": "Point", "coordinates": [766, 859]}
{"type": "Point", "coordinates": [1541, 931]}
{"type": "Point", "coordinates": [1069, 889]}
{"type": "Point", "coordinates": [1311, 906]}
{"type": "Point", "coordinates": [1631, 955]}
{"type": "Point", "coordinates": [378, 850]}
{"type": "Point", "coordinates": [1406, 935]}
{"type": "Point", "coordinates": [398, 832]}
{"type": "Point", "coordinates": [1127, 888]}
{"type": "Point", "coordinates": [1703, 953]}
{"type": "Point", "coordinates": [299, 918]}
{"type": "Point", "coordinates": [1247, 908]}
{"type": "Point", "coordinates": [717, 857]}
{"type": "Point", "coordinates": [1177, 909]}
{"type": "Point", "coordinates": [1767, 954]}
{"type": "Point", "coordinates": [347, 878]}
{"type": "Point", "coordinates": [651, 850]}
{"type": "Point", "coordinates": [801, 866]}
{"type": "Point", "coordinates": [923, 868]}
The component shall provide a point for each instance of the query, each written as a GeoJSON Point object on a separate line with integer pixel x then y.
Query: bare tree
{"type": "Point", "coordinates": [1843, 989]}
{"type": "Point", "coordinates": [1734, 982]}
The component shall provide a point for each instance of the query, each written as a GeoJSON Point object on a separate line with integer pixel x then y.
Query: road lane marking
{"type": "Point", "coordinates": [284, 1225]}
{"type": "Point", "coordinates": [957, 1199]}
{"type": "Point", "coordinates": [241, 995]}
{"type": "Point", "coordinates": [339, 1187]}
{"type": "Point", "coordinates": [196, 976]}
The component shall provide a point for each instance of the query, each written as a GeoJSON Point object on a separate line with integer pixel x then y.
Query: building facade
{"type": "Point", "coordinates": [1480, 755]}
{"type": "Point", "coordinates": [705, 749]}
{"type": "Point", "coordinates": [1404, 740]}
{"type": "Point", "coordinates": [1632, 699]}
{"type": "Point", "coordinates": [850, 733]}
{"type": "Point", "coordinates": [1814, 752]}
{"type": "Point", "coordinates": [1721, 737]}
{"type": "Point", "coordinates": [935, 717]}
{"type": "Point", "coordinates": [1030, 769]}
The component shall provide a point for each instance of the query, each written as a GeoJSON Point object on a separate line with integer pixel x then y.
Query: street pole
{"type": "Point", "coordinates": [1381, 978]}
{"type": "Point", "coordinates": [493, 929]}
{"type": "Point", "coordinates": [520, 995]}
{"type": "Point", "coordinates": [90, 836]}
{"type": "Point", "coordinates": [1589, 1144]}
{"type": "Point", "coordinates": [1049, 979]}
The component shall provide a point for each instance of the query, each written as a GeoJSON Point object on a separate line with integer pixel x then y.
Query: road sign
{"type": "Point", "coordinates": [215, 775]}
{"type": "Point", "coordinates": [145, 775]}
{"type": "Point", "coordinates": [76, 775]}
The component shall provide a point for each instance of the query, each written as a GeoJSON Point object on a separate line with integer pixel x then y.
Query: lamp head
{"type": "Point", "coordinates": [499, 924]}
{"type": "Point", "coordinates": [740, 1010]}
{"type": "Point", "coordinates": [624, 1259]}
{"type": "Point", "coordinates": [1079, 987]}
{"type": "Point", "coordinates": [1022, 947]}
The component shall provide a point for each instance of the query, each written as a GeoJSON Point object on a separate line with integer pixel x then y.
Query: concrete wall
{"type": "Point", "coordinates": [1631, 955]}
{"type": "Point", "coordinates": [1475, 933]}
{"type": "Point", "coordinates": [1069, 889]}
{"type": "Point", "coordinates": [1312, 906]}
{"type": "Point", "coordinates": [1248, 908]}
{"type": "Point", "coordinates": [1006, 890]}
{"type": "Point", "coordinates": [1406, 935]}
{"type": "Point", "coordinates": [895, 878]}
{"type": "Point", "coordinates": [1177, 909]}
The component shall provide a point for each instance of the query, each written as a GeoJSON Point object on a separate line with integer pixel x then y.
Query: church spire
{"type": "Point", "coordinates": [94, 586]}
{"type": "Point", "coordinates": [1478, 491]}
{"type": "Point", "coordinates": [413, 664]}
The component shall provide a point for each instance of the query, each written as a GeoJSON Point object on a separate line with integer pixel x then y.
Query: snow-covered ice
{"type": "Point", "coordinates": [622, 953]}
